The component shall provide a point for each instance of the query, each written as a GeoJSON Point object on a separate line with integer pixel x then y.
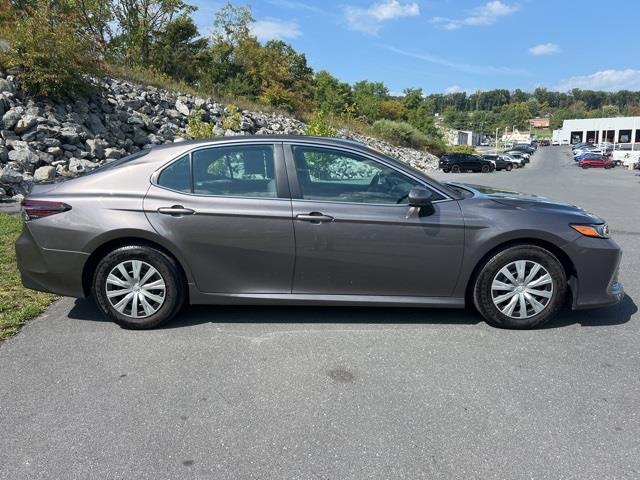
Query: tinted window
{"type": "Point", "coordinates": [238, 171]}
{"type": "Point", "coordinates": [177, 176]}
{"type": "Point", "coordinates": [331, 175]}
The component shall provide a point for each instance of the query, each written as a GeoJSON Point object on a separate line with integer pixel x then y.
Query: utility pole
{"type": "Point", "coordinates": [497, 128]}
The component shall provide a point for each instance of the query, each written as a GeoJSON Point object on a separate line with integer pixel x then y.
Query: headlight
{"type": "Point", "coordinates": [600, 230]}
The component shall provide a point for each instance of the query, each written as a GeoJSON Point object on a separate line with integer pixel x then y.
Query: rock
{"type": "Point", "coordinates": [139, 137]}
{"type": "Point", "coordinates": [23, 154]}
{"type": "Point", "coordinates": [246, 124]}
{"type": "Point", "coordinates": [55, 151]}
{"type": "Point", "coordinates": [114, 153]}
{"type": "Point", "coordinates": [79, 165]}
{"type": "Point", "coordinates": [10, 118]}
{"type": "Point", "coordinates": [6, 86]}
{"type": "Point", "coordinates": [44, 174]}
{"type": "Point", "coordinates": [94, 124]}
{"type": "Point", "coordinates": [69, 135]}
{"type": "Point", "coordinates": [25, 123]}
{"type": "Point", "coordinates": [182, 108]}
{"type": "Point", "coordinates": [4, 154]}
{"type": "Point", "coordinates": [3, 192]}
{"type": "Point", "coordinates": [10, 175]}
{"type": "Point", "coordinates": [96, 148]}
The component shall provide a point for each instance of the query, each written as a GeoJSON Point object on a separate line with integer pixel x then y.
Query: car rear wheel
{"type": "Point", "coordinates": [455, 169]}
{"type": "Point", "coordinates": [485, 169]}
{"type": "Point", "coordinates": [138, 287]}
{"type": "Point", "coordinates": [585, 166]}
{"type": "Point", "coordinates": [520, 287]}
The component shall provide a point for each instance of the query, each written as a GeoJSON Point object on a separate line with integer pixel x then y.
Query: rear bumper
{"type": "Point", "coordinates": [596, 282]}
{"type": "Point", "coordinates": [46, 270]}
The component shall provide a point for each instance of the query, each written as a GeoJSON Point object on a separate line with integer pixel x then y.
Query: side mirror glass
{"type": "Point", "coordinates": [420, 197]}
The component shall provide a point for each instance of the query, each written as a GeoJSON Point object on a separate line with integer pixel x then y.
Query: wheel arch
{"type": "Point", "coordinates": [563, 258]}
{"type": "Point", "coordinates": [109, 244]}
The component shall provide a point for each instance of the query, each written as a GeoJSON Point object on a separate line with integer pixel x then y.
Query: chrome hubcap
{"type": "Point", "coordinates": [522, 289]}
{"type": "Point", "coordinates": [135, 289]}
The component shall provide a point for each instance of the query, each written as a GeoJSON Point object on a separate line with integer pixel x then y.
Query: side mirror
{"type": "Point", "coordinates": [422, 198]}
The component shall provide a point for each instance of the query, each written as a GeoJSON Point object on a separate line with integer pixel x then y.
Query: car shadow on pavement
{"type": "Point", "coordinates": [85, 309]}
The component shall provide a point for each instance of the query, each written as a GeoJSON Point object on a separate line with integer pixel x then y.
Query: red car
{"type": "Point", "coordinates": [596, 161]}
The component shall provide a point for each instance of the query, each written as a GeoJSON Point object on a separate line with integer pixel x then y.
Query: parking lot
{"type": "Point", "coordinates": [339, 393]}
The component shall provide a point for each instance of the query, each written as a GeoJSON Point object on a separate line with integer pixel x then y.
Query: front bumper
{"type": "Point", "coordinates": [596, 262]}
{"type": "Point", "coordinates": [47, 270]}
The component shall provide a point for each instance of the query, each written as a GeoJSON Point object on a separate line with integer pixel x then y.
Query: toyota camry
{"type": "Point", "coordinates": [303, 220]}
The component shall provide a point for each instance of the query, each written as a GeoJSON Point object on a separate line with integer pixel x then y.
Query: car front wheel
{"type": "Point", "coordinates": [485, 169]}
{"type": "Point", "coordinates": [520, 287]}
{"type": "Point", "coordinates": [455, 169]}
{"type": "Point", "coordinates": [509, 167]}
{"type": "Point", "coordinates": [138, 287]}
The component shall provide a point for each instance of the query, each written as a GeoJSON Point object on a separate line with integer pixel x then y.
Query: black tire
{"type": "Point", "coordinates": [585, 166]}
{"type": "Point", "coordinates": [482, 288]}
{"type": "Point", "coordinates": [485, 169]}
{"type": "Point", "coordinates": [455, 169]}
{"type": "Point", "coordinates": [446, 170]}
{"type": "Point", "coordinates": [509, 167]}
{"type": "Point", "coordinates": [174, 293]}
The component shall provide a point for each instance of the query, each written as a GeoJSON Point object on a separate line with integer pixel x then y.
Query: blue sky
{"type": "Point", "coordinates": [454, 45]}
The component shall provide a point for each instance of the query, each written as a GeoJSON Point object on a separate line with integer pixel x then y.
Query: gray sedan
{"type": "Point", "coordinates": [302, 220]}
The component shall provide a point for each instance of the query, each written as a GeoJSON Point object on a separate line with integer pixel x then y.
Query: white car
{"type": "Point", "coordinates": [555, 143]}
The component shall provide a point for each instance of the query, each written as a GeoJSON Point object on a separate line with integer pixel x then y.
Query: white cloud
{"type": "Point", "coordinates": [454, 89]}
{"type": "Point", "coordinates": [609, 80]}
{"type": "Point", "coordinates": [462, 67]}
{"type": "Point", "coordinates": [544, 49]}
{"type": "Point", "coordinates": [275, 29]}
{"type": "Point", "coordinates": [370, 19]}
{"type": "Point", "coordinates": [487, 14]}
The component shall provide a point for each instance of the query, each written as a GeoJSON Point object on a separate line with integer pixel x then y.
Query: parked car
{"type": "Point", "coordinates": [544, 143]}
{"type": "Point", "coordinates": [599, 161]}
{"type": "Point", "coordinates": [306, 221]}
{"type": "Point", "coordinates": [465, 162]}
{"type": "Point", "coordinates": [519, 154]}
{"type": "Point", "coordinates": [555, 143]}
{"type": "Point", "coordinates": [516, 160]}
{"type": "Point", "coordinates": [587, 154]}
{"type": "Point", "coordinates": [524, 147]}
{"type": "Point", "coordinates": [500, 162]}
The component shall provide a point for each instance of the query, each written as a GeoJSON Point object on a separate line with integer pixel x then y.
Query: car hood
{"type": "Point", "coordinates": [527, 201]}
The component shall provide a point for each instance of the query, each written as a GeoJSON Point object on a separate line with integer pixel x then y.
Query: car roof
{"type": "Point", "coordinates": [187, 144]}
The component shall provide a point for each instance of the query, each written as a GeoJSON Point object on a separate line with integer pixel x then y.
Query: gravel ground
{"type": "Point", "coordinates": [338, 393]}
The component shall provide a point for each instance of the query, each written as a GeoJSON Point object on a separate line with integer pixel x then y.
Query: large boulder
{"type": "Point", "coordinates": [97, 147]}
{"type": "Point", "coordinates": [9, 175]}
{"type": "Point", "coordinates": [25, 123]}
{"type": "Point", "coordinates": [23, 154]}
{"type": "Point", "coordinates": [10, 118]}
{"type": "Point", "coordinates": [44, 174]}
{"type": "Point", "coordinates": [182, 107]}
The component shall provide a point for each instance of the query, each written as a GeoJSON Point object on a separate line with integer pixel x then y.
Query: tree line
{"type": "Point", "coordinates": [58, 46]}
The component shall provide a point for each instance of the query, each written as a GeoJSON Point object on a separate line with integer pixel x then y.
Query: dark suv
{"type": "Point", "coordinates": [464, 162]}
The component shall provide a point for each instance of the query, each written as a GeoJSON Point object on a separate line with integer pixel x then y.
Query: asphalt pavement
{"type": "Point", "coordinates": [338, 393]}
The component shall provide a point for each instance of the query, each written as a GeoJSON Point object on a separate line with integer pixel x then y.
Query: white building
{"type": "Point", "coordinates": [619, 130]}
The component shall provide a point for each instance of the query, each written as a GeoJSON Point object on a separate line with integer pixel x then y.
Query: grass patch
{"type": "Point", "coordinates": [17, 304]}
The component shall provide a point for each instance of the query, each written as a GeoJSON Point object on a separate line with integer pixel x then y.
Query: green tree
{"type": "Point", "coordinates": [47, 47]}
{"type": "Point", "coordinates": [139, 22]}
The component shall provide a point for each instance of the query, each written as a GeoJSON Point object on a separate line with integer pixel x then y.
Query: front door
{"type": "Point", "coordinates": [356, 234]}
{"type": "Point", "coordinates": [227, 210]}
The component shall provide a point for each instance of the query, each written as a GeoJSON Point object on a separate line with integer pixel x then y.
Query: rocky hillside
{"type": "Point", "coordinates": [42, 140]}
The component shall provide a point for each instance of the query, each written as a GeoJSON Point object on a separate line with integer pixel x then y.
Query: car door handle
{"type": "Point", "coordinates": [314, 217]}
{"type": "Point", "coordinates": [176, 211]}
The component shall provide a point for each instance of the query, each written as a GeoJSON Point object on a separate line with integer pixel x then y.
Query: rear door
{"type": "Point", "coordinates": [227, 209]}
{"type": "Point", "coordinates": [356, 234]}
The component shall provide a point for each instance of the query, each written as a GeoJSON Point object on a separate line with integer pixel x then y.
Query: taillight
{"type": "Point", "coordinates": [33, 209]}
